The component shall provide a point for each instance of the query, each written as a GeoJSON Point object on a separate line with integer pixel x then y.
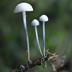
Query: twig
{"type": "Point", "coordinates": [23, 68]}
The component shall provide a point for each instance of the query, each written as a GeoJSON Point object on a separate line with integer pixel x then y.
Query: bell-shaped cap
{"type": "Point", "coordinates": [43, 18]}
{"type": "Point", "coordinates": [21, 7]}
{"type": "Point", "coordinates": [35, 22]}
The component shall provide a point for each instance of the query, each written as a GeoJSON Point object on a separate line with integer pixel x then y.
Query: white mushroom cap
{"type": "Point", "coordinates": [23, 7]}
{"type": "Point", "coordinates": [35, 22]}
{"type": "Point", "coordinates": [43, 18]}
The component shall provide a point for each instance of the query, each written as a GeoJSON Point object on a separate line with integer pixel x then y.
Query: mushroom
{"type": "Point", "coordinates": [44, 19]}
{"type": "Point", "coordinates": [35, 23]}
{"type": "Point", "coordinates": [23, 7]}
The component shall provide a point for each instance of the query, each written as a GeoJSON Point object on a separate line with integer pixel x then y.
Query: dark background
{"type": "Point", "coordinates": [12, 34]}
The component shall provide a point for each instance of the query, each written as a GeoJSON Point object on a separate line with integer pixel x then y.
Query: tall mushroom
{"type": "Point", "coordinates": [44, 19]}
{"type": "Point", "coordinates": [35, 23]}
{"type": "Point", "coordinates": [23, 7]}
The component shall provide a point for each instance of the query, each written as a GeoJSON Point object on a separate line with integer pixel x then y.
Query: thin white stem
{"type": "Point", "coordinates": [38, 41]}
{"type": "Point", "coordinates": [25, 26]}
{"type": "Point", "coordinates": [43, 38]}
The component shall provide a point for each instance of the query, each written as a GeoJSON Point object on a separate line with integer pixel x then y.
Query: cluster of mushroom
{"type": "Point", "coordinates": [23, 7]}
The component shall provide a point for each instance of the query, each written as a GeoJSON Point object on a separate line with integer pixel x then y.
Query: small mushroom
{"type": "Point", "coordinates": [44, 19]}
{"type": "Point", "coordinates": [35, 23]}
{"type": "Point", "coordinates": [23, 7]}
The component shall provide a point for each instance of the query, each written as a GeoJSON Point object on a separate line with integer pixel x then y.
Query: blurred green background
{"type": "Point", "coordinates": [12, 34]}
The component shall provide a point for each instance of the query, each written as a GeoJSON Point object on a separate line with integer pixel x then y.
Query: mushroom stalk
{"type": "Point", "coordinates": [43, 38]}
{"type": "Point", "coordinates": [26, 32]}
{"type": "Point", "coordinates": [38, 41]}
